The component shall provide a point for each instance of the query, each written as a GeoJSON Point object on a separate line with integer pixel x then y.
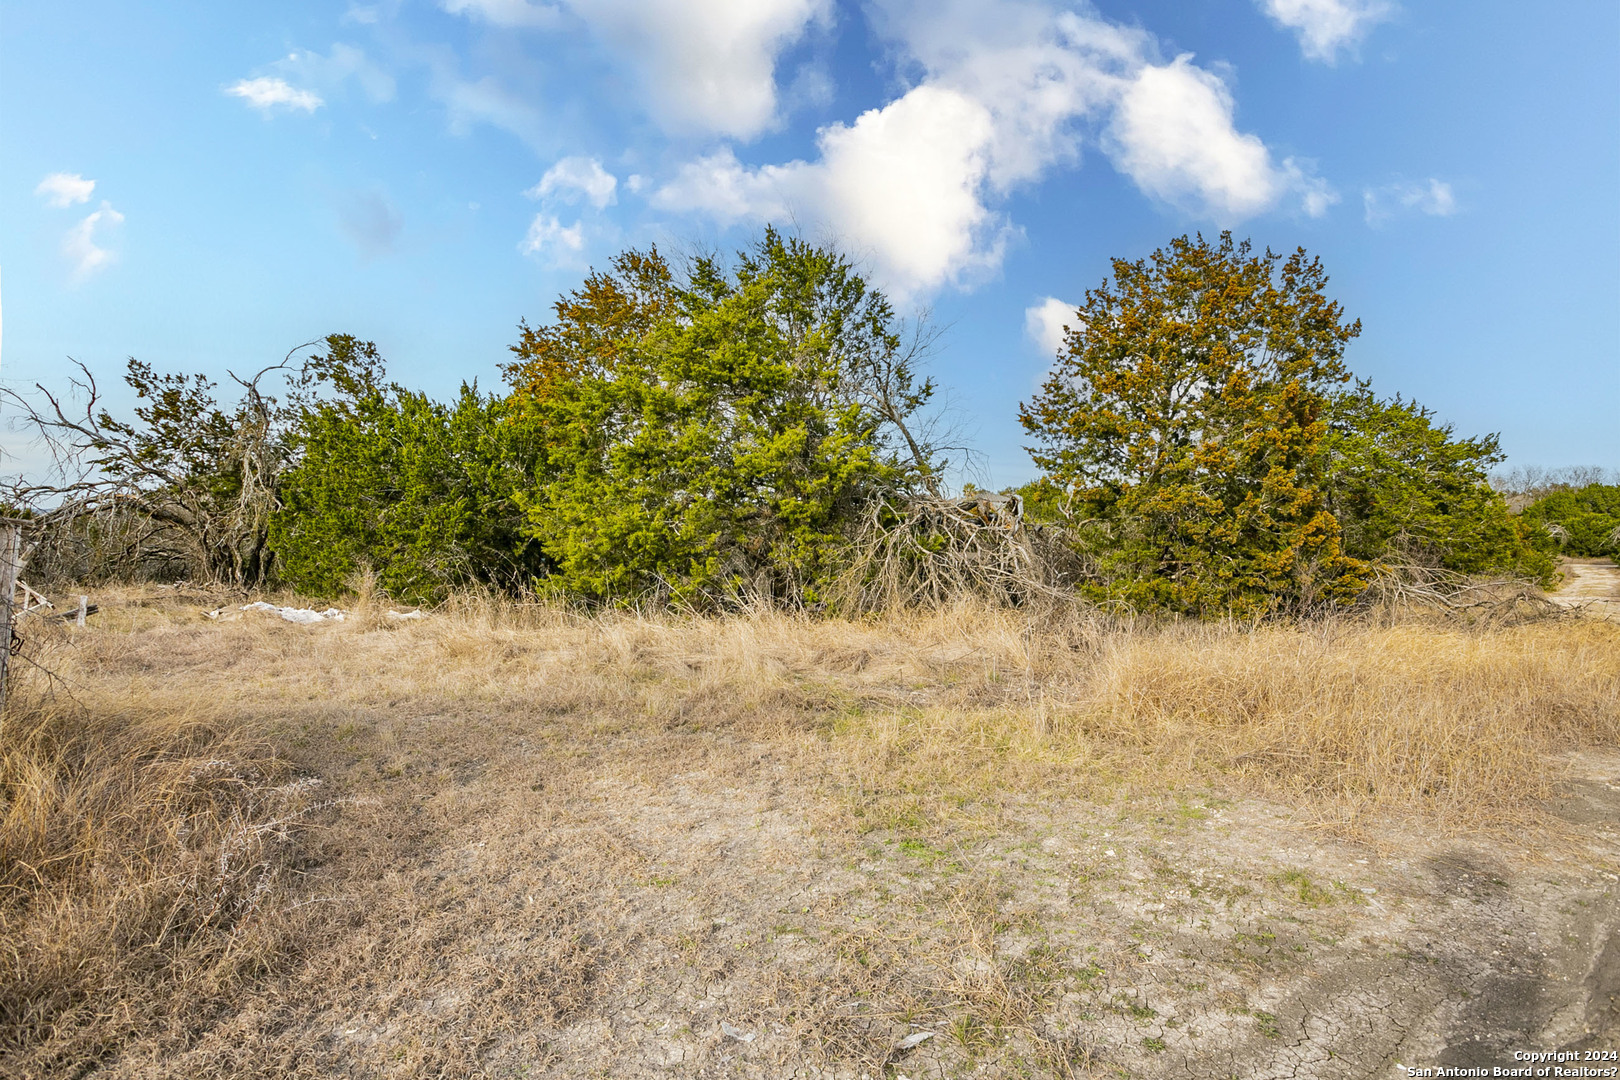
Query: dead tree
{"type": "Point", "coordinates": [185, 489]}
{"type": "Point", "coordinates": [10, 566]}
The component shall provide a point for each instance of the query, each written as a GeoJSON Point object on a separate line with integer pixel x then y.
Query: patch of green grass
{"type": "Point", "coordinates": [1304, 889]}
{"type": "Point", "coordinates": [926, 853]}
{"type": "Point", "coordinates": [971, 1034]}
{"type": "Point", "coordinates": [1187, 812]}
{"type": "Point", "coordinates": [1137, 1011]}
{"type": "Point", "coordinates": [1087, 976]}
{"type": "Point", "coordinates": [1154, 1044]}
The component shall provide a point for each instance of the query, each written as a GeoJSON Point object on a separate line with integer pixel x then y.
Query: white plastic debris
{"type": "Point", "coordinates": [916, 1038]}
{"type": "Point", "coordinates": [303, 616]}
{"type": "Point", "coordinates": [737, 1033]}
{"type": "Point", "coordinates": [402, 615]}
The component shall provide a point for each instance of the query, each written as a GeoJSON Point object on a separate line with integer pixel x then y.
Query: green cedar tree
{"type": "Point", "coordinates": [1184, 421]}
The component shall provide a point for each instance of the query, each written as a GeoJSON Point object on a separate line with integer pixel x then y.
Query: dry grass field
{"type": "Point", "coordinates": [508, 841]}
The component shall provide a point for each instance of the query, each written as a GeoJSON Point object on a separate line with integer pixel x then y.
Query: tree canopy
{"type": "Point", "coordinates": [1408, 491]}
{"type": "Point", "coordinates": [421, 493]}
{"type": "Point", "coordinates": [1581, 520]}
{"type": "Point", "coordinates": [715, 431]}
{"type": "Point", "coordinates": [720, 429]}
{"type": "Point", "coordinates": [1184, 421]}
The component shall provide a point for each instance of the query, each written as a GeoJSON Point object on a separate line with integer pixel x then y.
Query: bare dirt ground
{"type": "Point", "coordinates": [578, 852]}
{"type": "Point", "coordinates": [1590, 584]}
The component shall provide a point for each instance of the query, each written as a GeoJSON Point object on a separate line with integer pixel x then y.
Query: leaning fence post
{"type": "Point", "coordinates": [10, 543]}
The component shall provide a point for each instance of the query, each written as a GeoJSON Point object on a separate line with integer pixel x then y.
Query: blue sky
{"type": "Point", "coordinates": [204, 186]}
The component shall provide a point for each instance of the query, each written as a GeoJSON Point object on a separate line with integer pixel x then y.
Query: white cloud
{"type": "Point", "coordinates": [507, 13]}
{"type": "Point", "coordinates": [704, 69]}
{"type": "Point", "coordinates": [1044, 323]}
{"type": "Point", "coordinates": [1433, 197]}
{"type": "Point", "coordinates": [1009, 90]}
{"type": "Point", "coordinates": [708, 68]}
{"type": "Point", "coordinates": [1173, 134]}
{"type": "Point", "coordinates": [81, 246]}
{"type": "Point", "coordinates": [724, 189]}
{"type": "Point", "coordinates": [901, 182]}
{"type": "Point", "coordinates": [1326, 26]}
{"type": "Point", "coordinates": [61, 189]}
{"type": "Point", "coordinates": [1040, 73]}
{"type": "Point", "coordinates": [1315, 194]}
{"type": "Point", "coordinates": [548, 236]}
{"type": "Point", "coordinates": [581, 175]}
{"type": "Point", "coordinates": [485, 102]}
{"type": "Point", "coordinates": [266, 93]}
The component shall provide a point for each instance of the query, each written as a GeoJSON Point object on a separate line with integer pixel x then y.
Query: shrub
{"type": "Point", "coordinates": [423, 493]}
{"type": "Point", "coordinates": [1578, 521]}
{"type": "Point", "coordinates": [1406, 490]}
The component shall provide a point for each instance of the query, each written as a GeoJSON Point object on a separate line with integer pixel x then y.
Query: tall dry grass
{"type": "Point", "coordinates": [1342, 718]}
{"type": "Point", "coordinates": [1463, 727]}
{"type": "Point", "coordinates": [149, 828]}
{"type": "Point", "coordinates": [143, 863]}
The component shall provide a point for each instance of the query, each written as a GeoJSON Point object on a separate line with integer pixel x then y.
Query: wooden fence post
{"type": "Point", "coordinates": [10, 548]}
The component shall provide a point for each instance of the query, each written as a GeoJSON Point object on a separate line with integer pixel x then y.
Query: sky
{"type": "Point", "coordinates": [205, 186]}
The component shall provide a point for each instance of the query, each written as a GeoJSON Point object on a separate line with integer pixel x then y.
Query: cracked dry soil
{"type": "Point", "coordinates": [663, 891]}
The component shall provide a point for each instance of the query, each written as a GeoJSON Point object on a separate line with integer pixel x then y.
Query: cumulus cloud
{"type": "Point", "coordinates": [268, 93]}
{"type": "Point", "coordinates": [1326, 26]}
{"type": "Point", "coordinates": [82, 244]}
{"type": "Point", "coordinates": [371, 222]}
{"type": "Point", "coordinates": [62, 189]}
{"type": "Point", "coordinates": [901, 182]}
{"type": "Point", "coordinates": [1433, 197]}
{"type": "Point", "coordinates": [1044, 323]}
{"type": "Point", "coordinates": [548, 236]}
{"type": "Point", "coordinates": [1008, 91]}
{"type": "Point", "coordinates": [1174, 135]}
{"type": "Point", "coordinates": [573, 177]}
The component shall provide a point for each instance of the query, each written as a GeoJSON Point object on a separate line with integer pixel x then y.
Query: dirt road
{"type": "Point", "coordinates": [1592, 585]}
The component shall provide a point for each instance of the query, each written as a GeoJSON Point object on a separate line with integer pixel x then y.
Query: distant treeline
{"type": "Point", "coordinates": [731, 431]}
